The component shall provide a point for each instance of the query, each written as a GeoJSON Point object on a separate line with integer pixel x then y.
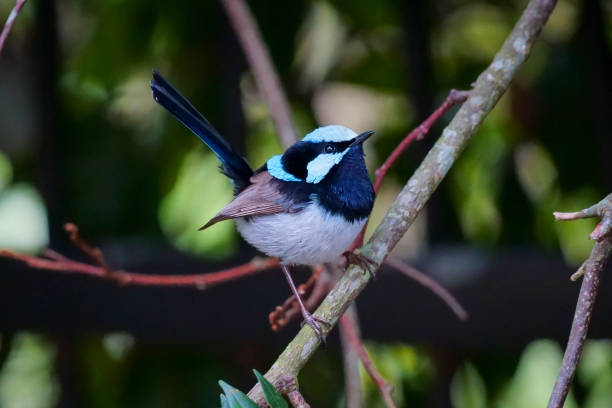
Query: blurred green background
{"type": "Point", "coordinates": [81, 140]}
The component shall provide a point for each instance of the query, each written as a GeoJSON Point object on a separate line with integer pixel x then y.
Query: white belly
{"type": "Point", "coordinates": [311, 236]}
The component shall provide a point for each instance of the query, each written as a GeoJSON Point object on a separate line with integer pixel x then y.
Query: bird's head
{"type": "Point", "coordinates": [311, 159]}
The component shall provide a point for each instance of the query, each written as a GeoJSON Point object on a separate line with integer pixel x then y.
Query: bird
{"type": "Point", "coordinates": [304, 207]}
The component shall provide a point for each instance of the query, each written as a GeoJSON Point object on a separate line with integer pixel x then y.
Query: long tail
{"type": "Point", "coordinates": [232, 164]}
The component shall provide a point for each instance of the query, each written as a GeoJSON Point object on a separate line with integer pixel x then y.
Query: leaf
{"type": "Point", "coordinates": [224, 403]}
{"type": "Point", "coordinates": [468, 389]}
{"type": "Point", "coordinates": [273, 398]}
{"type": "Point", "coordinates": [236, 398]}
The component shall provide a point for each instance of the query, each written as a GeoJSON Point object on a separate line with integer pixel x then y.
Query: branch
{"type": "Point", "coordinates": [489, 88]}
{"type": "Point", "coordinates": [10, 21]}
{"type": "Point", "coordinates": [52, 261]}
{"type": "Point", "coordinates": [430, 284]}
{"type": "Point", "coordinates": [592, 269]}
{"type": "Point", "coordinates": [348, 331]}
{"type": "Point", "coordinates": [454, 97]}
{"type": "Point", "coordinates": [265, 75]}
{"type": "Point", "coordinates": [350, 357]}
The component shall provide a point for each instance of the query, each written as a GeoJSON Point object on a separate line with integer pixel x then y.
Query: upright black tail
{"type": "Point", "coordinates": [232, 164]}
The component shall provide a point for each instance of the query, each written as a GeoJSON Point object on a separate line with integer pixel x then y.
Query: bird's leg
{"type": "Point", "coordinates": [353, 258]}
{"type": "Point", "coordinates": [308, 318]}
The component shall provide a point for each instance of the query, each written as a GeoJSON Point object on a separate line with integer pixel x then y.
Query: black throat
{"type": "Point", "coordinates": [346, 190]}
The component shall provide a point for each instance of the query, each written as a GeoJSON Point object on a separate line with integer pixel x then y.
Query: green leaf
{"type": "Point", "coordinates": [236, 398]}
{"type": "Point", "coordinates": [273, 398]}
{"type": "Point", "coordinates": [224, 403]}
{"type": "Point", "coordinates": [468, 389]}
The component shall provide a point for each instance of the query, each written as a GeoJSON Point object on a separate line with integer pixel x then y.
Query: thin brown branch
{"type": "Point", "coordinates": [353, 389]}
{"type": "Point", "coordinates": [353, 339]}
{"type": "Point", "coordinates": [10, 21]}
{"type": "Point", "coordinates": [592, 269]}
{"type": "Point", "coordinates": [430, 284]}
{"type": "Point", "coordinates": [93, 252]}
{"type": "Point", "coordinates": [454, 97]}
{"type": "Point", "coordinates": [265, 75]}
{"type": "Point", "coordinates": [53, 261]}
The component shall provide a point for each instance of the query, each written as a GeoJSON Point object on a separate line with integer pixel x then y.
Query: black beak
{"type": "Point", "coordinates": [362, 137]}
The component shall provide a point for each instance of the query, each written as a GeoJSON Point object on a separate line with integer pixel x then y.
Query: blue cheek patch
{"type": "Point", "coordinates": [276, 169]}
{"type": "Point", "coordinates": [321, 165]}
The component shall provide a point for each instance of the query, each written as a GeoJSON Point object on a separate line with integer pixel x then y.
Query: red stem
{"type": "Point", "coordinates": [353, 339]}
{"type": "Point", "coordinates": [430, 284]}
{"type": "Point", "coordinates": [453, 98]}
{"type": "Point", "coordinates": [261, 64]}
{"type": "Point", "coordinates": [10, 21]}
{"type": "Point", "coordinates": [201, 281]}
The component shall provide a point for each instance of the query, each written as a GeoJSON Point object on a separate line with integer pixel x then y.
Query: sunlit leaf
{"type": "Point", "coordinates": [27, 380]}
{"type": "Point", "coordinates": [23, 219]}
{"type": "Point", "coordinates": [199, 192]}
{"type": "Point", "coordinates": [535, 376]}
{"type": "Point", "coordinates": [536, 170]}
{"type": "Point", "coordinates": [468, 388]}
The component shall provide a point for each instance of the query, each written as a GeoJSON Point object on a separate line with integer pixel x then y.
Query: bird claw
{"type": "Point", "coordinates": [363, 262]}
{"type": "Point", "coordinates": [313, 322]}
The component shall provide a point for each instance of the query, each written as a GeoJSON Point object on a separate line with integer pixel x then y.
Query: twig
{"type": "Point", "coordinates": [489, 88]}
{"type": "Point", "coordinates": [265, 75]}
{"type": "Point", "coordinates": [350, 357]}
{"type": "Point", "coordinates": [353, 338]}
{"type": "Point", "coordinates": [10, 21]}
{"type": "Point", "coordinates": [289, 386]}
{"type": "Point", "coordinates": [430, 284]}
{"type": "Point", "coordinates": [454, 97]}
{"type": "Point", "coordinates": [592, 269]}
{"type": "Point", "coordinates": [602, 209]}
{"type": "Point", "coordinates": [92, 252]}
{"type": "Point", "coordinates": [54, 261]}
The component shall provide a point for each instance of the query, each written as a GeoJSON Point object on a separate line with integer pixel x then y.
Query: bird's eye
{"type": "Point", "coordinates": [329, 149]}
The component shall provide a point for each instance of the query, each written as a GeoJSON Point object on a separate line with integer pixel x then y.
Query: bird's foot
{"type": "Point", "coordinates": [313, 322]}
{"type": "Point", "coordinates": [353, 258]}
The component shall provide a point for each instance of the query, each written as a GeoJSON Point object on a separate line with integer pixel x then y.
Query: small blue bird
{"type": "Point", "coordinates": [305, 206]}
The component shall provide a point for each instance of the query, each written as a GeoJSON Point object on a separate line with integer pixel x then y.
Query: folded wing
{"type": "Point", "coordinates": [259, 198]}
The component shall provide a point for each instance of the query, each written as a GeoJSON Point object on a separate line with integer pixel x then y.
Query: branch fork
{"type": "Point", "coordinates": [591, 269]}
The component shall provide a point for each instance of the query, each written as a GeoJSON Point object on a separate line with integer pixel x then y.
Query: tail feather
{"type": "Point", "coordinates": [232, 164]}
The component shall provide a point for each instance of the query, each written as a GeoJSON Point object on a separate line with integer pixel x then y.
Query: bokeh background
{"type": "Point", "coordinates": [81, 140]}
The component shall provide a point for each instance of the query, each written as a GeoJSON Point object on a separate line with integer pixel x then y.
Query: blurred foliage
{"type": "Point", "coordinates": [27, 379]}
{"type": "Point", "coordinates": [407, 369]}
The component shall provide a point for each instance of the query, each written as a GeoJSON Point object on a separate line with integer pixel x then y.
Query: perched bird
{"type": "Point", "coordinates": [305, 206]}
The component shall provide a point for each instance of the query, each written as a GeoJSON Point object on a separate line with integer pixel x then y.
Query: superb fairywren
{"type": "Point", "coordinates": [305, 206]}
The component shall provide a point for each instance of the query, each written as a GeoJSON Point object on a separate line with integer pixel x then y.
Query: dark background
{"type": "Point", "coordinates": [82, 141]}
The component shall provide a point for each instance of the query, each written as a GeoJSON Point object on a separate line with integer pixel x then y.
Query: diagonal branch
{"type": "Point", "coordinates": [430, 284]}
{"type": "Point", "coordinates": [352, 337]}
{"type": "Point", "coordinates": [353, 389]}
{"type": "Point", "coordinates": [265, 75]}
{"type": "Point", "coordinates": [489, 88]}
{"type": "Point", "coordinates": [591, 269]}
{"type": "Point", "coordinates": [10, 21]}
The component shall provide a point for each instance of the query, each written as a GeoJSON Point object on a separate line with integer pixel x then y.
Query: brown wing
{"type": "Point", "coordinates": [260, 198]}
